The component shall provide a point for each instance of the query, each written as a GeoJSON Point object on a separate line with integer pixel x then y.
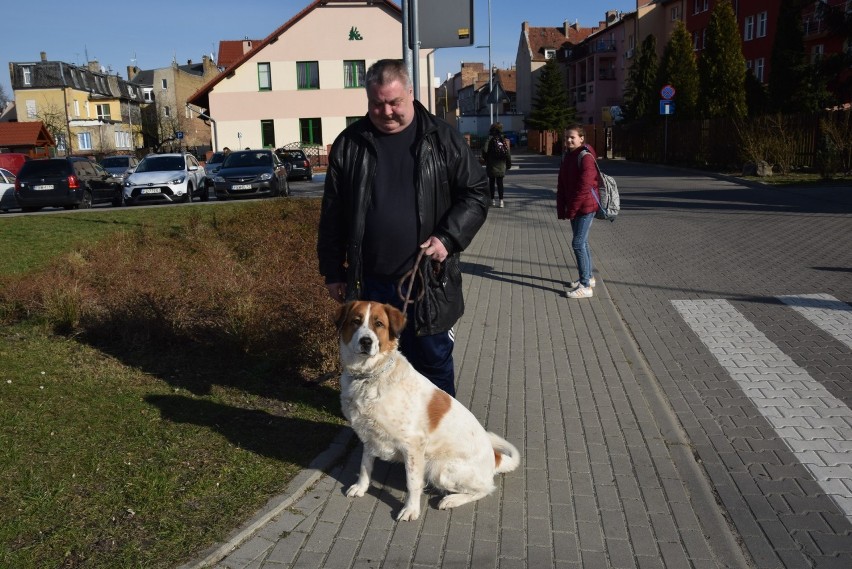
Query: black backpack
{"type": "Point", "coordinates": [498, 148]}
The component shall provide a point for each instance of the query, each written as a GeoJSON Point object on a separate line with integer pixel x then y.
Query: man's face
{"type": "Point", "coordinates": [391, 106]}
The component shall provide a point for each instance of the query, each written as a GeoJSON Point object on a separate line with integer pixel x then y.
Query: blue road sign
{"type": "Point", "coordinates": [667, 92]}
{"type": "Point", "coordinates": [667, 107]}
{"type": "Point", "coordinates": [179, 134]}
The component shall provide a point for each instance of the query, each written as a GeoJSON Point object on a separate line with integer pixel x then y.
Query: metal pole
{"type": "Point", "coordinates": [406, 49]}
{"type": "Point", "coordinates": [415, 51]}
{"type": "Point", "coordinates": [490, 71]}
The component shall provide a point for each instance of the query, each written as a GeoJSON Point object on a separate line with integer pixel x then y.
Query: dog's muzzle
{"type": "Point", "coordinates": [366, 344]}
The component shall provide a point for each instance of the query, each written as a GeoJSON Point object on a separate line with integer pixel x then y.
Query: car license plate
{"type": "Point", "coordinates": [241, 187]}
{"type": "Point", "coordinates": [43, 187]}
{"type": "Point", "coordinates": [150, 190]}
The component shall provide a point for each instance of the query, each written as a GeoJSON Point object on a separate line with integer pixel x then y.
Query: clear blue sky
{"type": "Point", "coordinates": [152, 34]}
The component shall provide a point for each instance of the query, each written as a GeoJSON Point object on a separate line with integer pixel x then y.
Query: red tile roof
{"type": "Point", "coordinates": [541, 39]}
{"type": "Point", "coordinates": [25, 134]}
{"type": "Point", "coordinates": [230, 51]}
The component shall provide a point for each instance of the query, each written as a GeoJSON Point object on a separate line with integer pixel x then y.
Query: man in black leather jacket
{"type": "Point", "coordinates": [399, 181]}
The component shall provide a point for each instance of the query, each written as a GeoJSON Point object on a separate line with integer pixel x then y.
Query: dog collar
{"type": "Point", "coordinates": [372, 374]}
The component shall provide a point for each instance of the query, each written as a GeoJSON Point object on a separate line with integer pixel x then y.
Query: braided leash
{"type": "Point", "coordinates": [411, 275]}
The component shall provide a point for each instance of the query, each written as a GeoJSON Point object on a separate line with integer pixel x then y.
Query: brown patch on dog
{"type": "Point", "coordinates": [439, 405]}
{"type": "Point", "coordinates": [497, 459]}
{"type": "Point", "coordinates": [396, 320]}
{"type": "Point", "coordinates": [349, 317]}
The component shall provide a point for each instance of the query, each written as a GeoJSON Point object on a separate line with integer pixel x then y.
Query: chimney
{"type": "Point", "coordinates": [132, 70]}
{"type": "Point", "coordinates": [246, 45]}
{"type": "Point", "coordinates": [94, 66]}
{"type": "Point", "coordinates": [44, 56]}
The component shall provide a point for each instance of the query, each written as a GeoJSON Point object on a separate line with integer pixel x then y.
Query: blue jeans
{"type": "Point", "coordinates": [430, 355]}
{"type": "Point", "coordinates": [580, 243]}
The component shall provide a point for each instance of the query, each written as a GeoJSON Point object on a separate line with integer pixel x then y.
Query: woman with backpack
{"type": "Point", "coordinates": [497, 158]}
{"type": "Point", "coordinates": [574, 201]}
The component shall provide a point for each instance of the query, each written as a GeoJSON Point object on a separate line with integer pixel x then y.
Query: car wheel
{"type": "Point", "coordinates": [205, 193]}
{"type": "Point", "coordinates": [187, 197]}
{"type": "Point", "coordinates": [119, 200]}
{"type": "Point", "coordinates": [86, 203]}
{"type": "Point", "coordinates": [30, 209]}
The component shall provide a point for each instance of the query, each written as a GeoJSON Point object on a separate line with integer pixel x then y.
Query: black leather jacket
{"type": "Point", "coordinates": [452, 203]}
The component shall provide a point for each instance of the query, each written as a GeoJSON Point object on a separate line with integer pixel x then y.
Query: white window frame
{"type": "Point", "coordinates": [103, 116]}
{"type": "Point", "coordinates": [167, 111]}
{"type": "Point", "coordinates": [76, 108]}
{"type": "Point", "coordinates": [748, 28]}
{"type": "Point", "coordinates": [762, 19]}
{"type": "Point", "coordinates": [28, 75]}
{"type": "Point", "coordinates": [759, 67]}
{"type": "Point", "coordinates": [817, 52]}
{"type": "Point", "coordinates": [165, 83]}
{"type": "Point", "coordinates": [32, 110]}
{"type": "Point", "coordinates": [84, 140]}
{"type": "Point", "coordinates": [675, 13]}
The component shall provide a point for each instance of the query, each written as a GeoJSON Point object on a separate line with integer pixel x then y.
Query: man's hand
{"type": "Point", "coordinates": [337, 291]}
{"type": "Point", "coordinates": [435, 249]}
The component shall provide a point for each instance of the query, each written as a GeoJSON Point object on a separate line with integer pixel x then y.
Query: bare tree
{"type": "Point", "coordinates": [4, 98]}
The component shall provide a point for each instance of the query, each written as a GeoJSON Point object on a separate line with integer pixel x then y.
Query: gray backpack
{"type": "Point", "coordinates": [609, 203]}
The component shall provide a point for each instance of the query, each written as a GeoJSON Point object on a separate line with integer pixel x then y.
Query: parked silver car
{"type": "Point", "coordinates": [118, 166]}
{"type": "Point", "coordinates": [166, 177]}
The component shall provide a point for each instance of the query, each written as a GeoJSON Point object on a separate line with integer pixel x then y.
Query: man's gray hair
{"type": "Point", "coordinates": [386, 71]}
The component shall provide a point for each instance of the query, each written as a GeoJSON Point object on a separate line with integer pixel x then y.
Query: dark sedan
{"type": "Point", "coordinates": [251, 173]}
{"type": "Point", "coordinates": [298, 164]}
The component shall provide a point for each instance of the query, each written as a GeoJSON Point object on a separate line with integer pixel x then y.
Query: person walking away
{"type": "Point", "coordinates": [401, 181]}
{"type": "Point", "coordinates": [578, 178]}
{"type": "Point", "coordinates": [497, 157]}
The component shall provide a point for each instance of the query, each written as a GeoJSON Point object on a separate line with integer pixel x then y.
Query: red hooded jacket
{"type": "Point", "coordinates": [574, 188]}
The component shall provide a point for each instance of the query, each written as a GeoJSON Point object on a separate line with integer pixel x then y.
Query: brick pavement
{"type": "Point", "coordinates": [630, 430]}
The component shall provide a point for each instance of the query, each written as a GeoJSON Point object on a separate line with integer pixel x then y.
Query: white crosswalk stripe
{"type": "Point", "coordinates": [816, 425]}
{"type": "Point", "coordinates": [826, 312]}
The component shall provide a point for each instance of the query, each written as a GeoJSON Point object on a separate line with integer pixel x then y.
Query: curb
{"type": "Point", "coordinates": [297, 487]}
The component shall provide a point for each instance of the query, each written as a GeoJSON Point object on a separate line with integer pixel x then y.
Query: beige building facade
{"type": "Point", "coordinates": [304, 83]}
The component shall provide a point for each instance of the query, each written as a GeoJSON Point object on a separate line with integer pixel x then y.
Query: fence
{"type": "Point", "coordinates": [808, 141]}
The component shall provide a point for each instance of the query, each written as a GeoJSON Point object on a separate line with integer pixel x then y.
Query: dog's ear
{"type": "Point", "coordinates": [396, 320]}
{"type": "Point", "coordinates": [342, 313]}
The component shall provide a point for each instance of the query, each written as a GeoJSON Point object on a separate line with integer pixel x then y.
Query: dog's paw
{"type": "Point", "coordinates": [356, 491]}
{"type": "Point", "coordinates": [453, 501]}
{"type": "Point", "coordinates": [408, 514]}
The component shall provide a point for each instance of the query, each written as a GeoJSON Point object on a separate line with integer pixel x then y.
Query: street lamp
{"type": "Point", "coordinates": [490, 71]}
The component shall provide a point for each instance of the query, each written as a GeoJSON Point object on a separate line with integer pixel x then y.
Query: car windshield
{"type": "Point", "coordinates": [161, 164]}
{"type": "Point", "coordinates": [116, 162]}
{"type": "Point", "coordinates": [216, 158]}
{"type": "Point", "coordinates": [246, 159]}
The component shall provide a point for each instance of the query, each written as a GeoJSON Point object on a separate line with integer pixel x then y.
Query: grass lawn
{"type": "Point", "coordinates": [139, 454]}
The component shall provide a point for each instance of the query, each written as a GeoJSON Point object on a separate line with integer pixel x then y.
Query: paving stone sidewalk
{"type": "Point", "coordinates": [607, 478]}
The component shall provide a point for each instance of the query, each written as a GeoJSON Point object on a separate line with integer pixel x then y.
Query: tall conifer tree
{"type": "Point", "coordinates": [642, 92]}
{"type": "Point", "coordinates": [551, 111]}
{"type": "Point", "coordinates": [721, 66]}
{"type": "Point", "coordinates": [679, 68]}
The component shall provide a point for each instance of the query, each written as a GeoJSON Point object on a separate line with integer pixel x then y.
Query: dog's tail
{"type": "Point", "coordinates": [506, 455]}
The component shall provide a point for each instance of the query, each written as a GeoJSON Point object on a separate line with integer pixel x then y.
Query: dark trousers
{"type": "Point", "coordinates": [430, 355]}
{"type": "Point", "coordinates": [499, 183]}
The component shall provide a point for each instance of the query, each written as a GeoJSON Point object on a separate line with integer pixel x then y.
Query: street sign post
{"type": "Point", "coordinates": [667, 107]}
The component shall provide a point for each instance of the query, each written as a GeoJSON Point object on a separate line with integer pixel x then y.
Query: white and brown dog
{"type": "Point", "coordinates": [400, 416]}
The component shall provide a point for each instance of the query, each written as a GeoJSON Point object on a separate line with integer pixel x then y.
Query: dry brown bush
{"type": "Point", "coordinates": [246, 281]}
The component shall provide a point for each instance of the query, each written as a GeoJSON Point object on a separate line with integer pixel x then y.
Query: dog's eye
{"type": "Point", "coordinates": [356, 321]}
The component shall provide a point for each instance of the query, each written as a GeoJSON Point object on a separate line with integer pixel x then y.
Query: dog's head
{"type": "Point", "coordinates": [367, 329]}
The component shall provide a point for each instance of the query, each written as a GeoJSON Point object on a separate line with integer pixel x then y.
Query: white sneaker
{"type": "Point", "coordinates": [501, 203]}
{"type": "Point", "coordinates": [576, 284]}
{"type": "Point", "coordinates": [493, 203]}
{"type": "Point", "coordinates": [581, 292]}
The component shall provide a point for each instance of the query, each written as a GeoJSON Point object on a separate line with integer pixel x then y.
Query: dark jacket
{"type": "Point", "coordinates": [452, 198]}
{"type": "Point", "coordinates": [577, 177]}
{"type": "Point", "coordinates": [496, 167]}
